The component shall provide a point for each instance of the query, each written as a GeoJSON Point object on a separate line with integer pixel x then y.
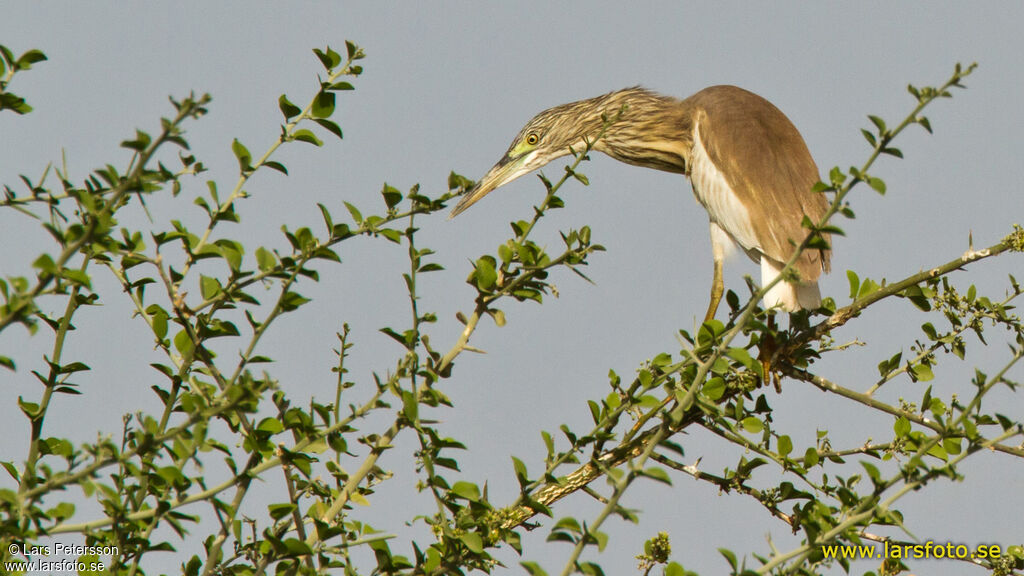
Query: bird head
{"type": "Point", "coordinates": [633, 125]}
{"type": "Point", "coordinates": [553, 133]}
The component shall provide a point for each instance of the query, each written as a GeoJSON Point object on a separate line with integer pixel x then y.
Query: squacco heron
{"type": "Point", "coordinates": [748, 165]}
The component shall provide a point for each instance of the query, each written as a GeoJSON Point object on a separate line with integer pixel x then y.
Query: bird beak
{"type": "Point", "coordinates": [505, 171]}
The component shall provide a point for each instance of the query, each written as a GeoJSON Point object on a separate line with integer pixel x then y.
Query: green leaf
{"type": "Point", "coordinates": [952, 445]}
{"type": "Point", "coordinates": [456, 181]}
{"type": "Point", "coordinates": [656, 473]}
{"type": "Point", "coordinates": [918, 296]}
{"type": "Point", "coordinates": [141, 142]}
{"type": "Point", "coordinates": [938, 451]}
{"type": "Point", "coordinates": [923, 121]}
{"type": "Point", "coordinates": [602, 543]}
{"type": "Point", "coordinates": [391, 196]}
{"type": "Point", "coordinates": [341, 232]}
{"type": "Point", "coordinates": [811, 457]}
{"type": "Point", "coordinates": [353, 51]}
{"type": "Point", "coordinates": [45, 264]}
{"type": "Point", "coordinates": [10, 101]}
{"type": "Point", "coordinates": [887, 366]}
{"type": "Point", "coordinates": [391, 234]}
{"type": "Point", "coordinates": [323, 105]}
{"type": "Point", "coordinates": [473, 541]}
{"type": "Point", "coordinates": [307, 136]}
{"type": "Point", "coordinates": [784, 446]}
{"type": "Point", "coordinates": [854, 283]}
{"type": "Point", "coordinates": [432, 561]}
{"type": "Point", "coordinates": [265, 259]}
{"type": "Point", "coordinates": [76, 277]}
{"type": "Point", "coordinates": [356, 215]}
{"type": "Point", "coordinates": [328, 221]}
{"type": "Point", "coordinates": [397, 336]}
{"type": "Point", "coordinates": [533, 569]}
{"type": "Point", "coordinates": [271, 425]}
{"type": "Point", "coordinates": [292, 300]}
{"type": "Point", "coordinates": [869, 137]}
{"type": "Point", "coordinates": [276, 166]}
{"type": "Point", "coordinates": [877, 184]}
{"type": "Point", "coordinates": [410, 407]}
{"type": "Point", "coordinates": [645, 378]}
{"type": "Point", "coordinates": [901, 427]}
{"type": "Point", "coordinates": [818, 242]}
{"type": "Point", "coordinates": [922, 373]}
{"type": "Point", "coordinates": [520, 470]}
{"type": "Point", "coordinates": [231, 251]}
{"type": "Point", "coordinates": [743, 357]}
{"type": "Point", "coordinates": [12, 470]}
{"type": "Point", "coordinates": [730, 557]}
{"type": "Point", "coordinates": [288, 109]}
{"type": "Point", "coordinates": [878, 122]}
{"type": "Point", "coordinates": [837, 177]}
{"type": "Point", "coordinates": [183, 343]}
{"type": "Point", "coordinates": [568, 523]}
{"type": "Point", "coordinates": [484, 273]}
{"type": "Point", "coordinates": [330, 126]}
{"type": "Point", "coordinates": [278, 511]}
{"type": "Point", "coordinates": [26, 60]}
{"type": "Point", "coordinates": [73, 367]}
{"type": "Point", "coordinates": [329, 58]}
{"type": "Point", "coordinates": [30, 409]}
{"type": "Point", "coordinates": [752, 424]}
{"type": "Point", "coordinates": [714, 389]}
{"type": "Point", "coordinates": [676, 569]}
{"type": "Point", "coordinates": [873, 473]}
{"type": "Point", "coordinates": [209, 287]}
{"type": "Point", "coordinates": [159, 319]}
{"type": "Point", "coordinates": [466, 491]}
{"type": "Point", "coordinates": [929, 329]}
{"type": "Point", "coordinates": [243, 156]}
{"type": "Point", "coordinates": [296, 547]}
{"type": "Point", "coordinates": [709, 332]}
{"type": "Point", "coordinates": [867, 288]}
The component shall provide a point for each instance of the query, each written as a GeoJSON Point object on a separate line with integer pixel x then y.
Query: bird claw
{"type": "Point", "coordinates": [769, 375]}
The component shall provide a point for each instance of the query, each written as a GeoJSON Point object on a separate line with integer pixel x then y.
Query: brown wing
{"type": "Point", "coordinates": [767, 165]}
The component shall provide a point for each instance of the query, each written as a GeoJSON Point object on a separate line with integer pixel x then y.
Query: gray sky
{"type": "Point", "coordinates": [447, 85]}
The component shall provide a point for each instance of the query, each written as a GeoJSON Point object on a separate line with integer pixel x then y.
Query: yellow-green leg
{"type": "Point", "coordinates": [721, 243]}
{"type": "Point", "coordinates": [717, 288]}
{"type": "Point", "coordinates": [766, 351]}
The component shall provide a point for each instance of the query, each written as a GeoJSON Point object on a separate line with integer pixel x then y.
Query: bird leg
{"type": "Point", "coordinates": [717, 288]}
{"type": "Point", "coordinates": [766, 350]}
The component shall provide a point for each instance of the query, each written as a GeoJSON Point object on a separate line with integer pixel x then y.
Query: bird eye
{"type": "Point", "coordinates": [532, 138]}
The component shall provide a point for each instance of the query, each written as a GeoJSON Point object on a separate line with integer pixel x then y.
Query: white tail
{"type": "Point", "coordinates": [789, 297]}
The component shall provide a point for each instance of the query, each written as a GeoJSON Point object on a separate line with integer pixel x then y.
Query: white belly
{"type": "Point", "coordinates": [731, 224]}
{"type": "Point", "coordinates": [724, 208]}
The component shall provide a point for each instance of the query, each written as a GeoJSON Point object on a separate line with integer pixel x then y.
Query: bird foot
{"type": "Point", "coordinates": [769, 374]}
{"type": "Point", "coordinates": [766, 350]}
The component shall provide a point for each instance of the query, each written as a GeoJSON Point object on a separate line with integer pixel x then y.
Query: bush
{"type": "Point", "coordinates": [195, 290]}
